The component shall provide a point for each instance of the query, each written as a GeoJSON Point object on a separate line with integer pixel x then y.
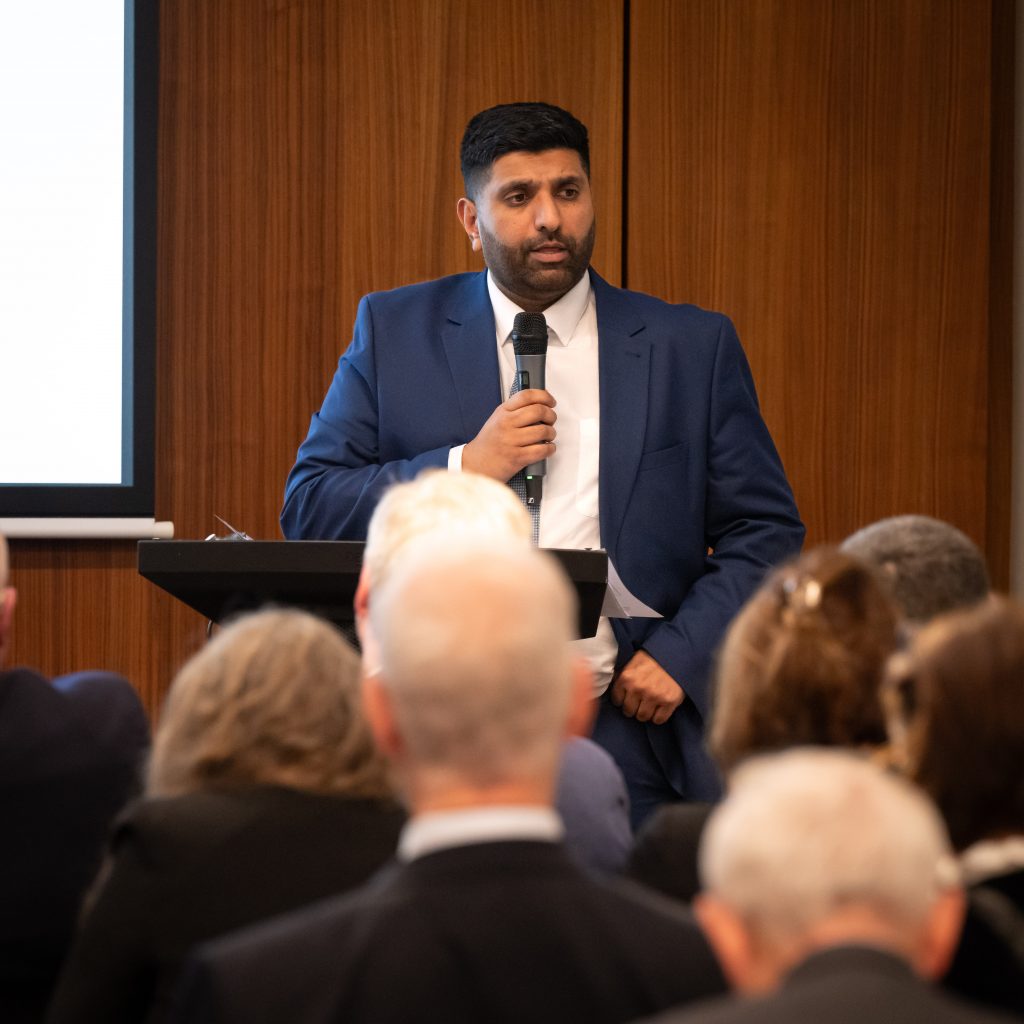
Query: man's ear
{"type": "Point", "coordinates": [466, 211]}
{"type": "Point", "coordinates": [379, 711]}
{"type": "Point", "coordinates": [731, 941]}
{"type": "Point", "coordinates": [940, 934]}
{"type": "Point", "coordinates": [8, 599]}
{"type": "Point", "coordinates": [361, 601]}
{"type": "Point", "coordinates": [582, 706]}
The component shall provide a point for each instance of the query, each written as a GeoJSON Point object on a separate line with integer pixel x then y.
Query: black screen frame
{"type": "Point", "coordinates": [135, 497]}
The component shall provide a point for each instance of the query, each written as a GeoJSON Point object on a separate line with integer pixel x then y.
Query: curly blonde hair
{"type": "Point", "coordinates": [273, 700]}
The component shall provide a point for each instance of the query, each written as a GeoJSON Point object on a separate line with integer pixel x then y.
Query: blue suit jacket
{"type": "Point", "coordinates": [686, 462]}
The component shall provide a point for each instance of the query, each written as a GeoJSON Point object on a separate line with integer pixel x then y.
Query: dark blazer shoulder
{"type": "Point", "coordinates": [469, 929]}
{"type": "Point", "coordinates": [170, 827]}
{"type": "Point", "coordinates": [657, 314]}
{"type": "Point", "coordinates": [847, 985]}
{"type": "Point", "coordinates": [451, 293]}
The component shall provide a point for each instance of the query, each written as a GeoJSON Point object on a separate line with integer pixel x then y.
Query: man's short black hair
{"type": "Point", "coordinates": [518, 128]}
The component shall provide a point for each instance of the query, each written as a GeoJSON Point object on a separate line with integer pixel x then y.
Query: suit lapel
{"type": "Point", "coordinates": [471, 350]}
{"type": "Point", "coordinates": [624, 357]}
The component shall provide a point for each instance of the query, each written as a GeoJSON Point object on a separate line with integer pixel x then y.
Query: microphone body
{"type": "Point", "coordinates": [530, 344]}
{"type": "Point", "coordinates": [530, 370]}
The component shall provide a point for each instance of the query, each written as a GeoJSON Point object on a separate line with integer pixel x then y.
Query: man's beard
{"type": "Point", "coordinates": [537, 283]}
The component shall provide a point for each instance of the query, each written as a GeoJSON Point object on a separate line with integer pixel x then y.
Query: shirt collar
{"type": "Point", "coordinates": [441, 830]}
{"type": "Point", "coordinates": [992, 857]}
{"type": "Point", "coordinates": [562, 317]}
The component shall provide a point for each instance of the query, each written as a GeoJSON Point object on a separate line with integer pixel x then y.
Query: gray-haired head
{"type": "Point", "coordinates": [474, 653]}
{"type": "Point", "coordinates": [454, 509]}
{"type": "Point", "coordinates": [809, 833]}
{"type": "Point", "coordinates": [457, 507]}
{"type": "Point", "coordinates": [930, 566]}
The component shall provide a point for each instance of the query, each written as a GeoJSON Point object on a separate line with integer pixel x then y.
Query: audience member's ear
{"type": "Point", "coordinates": [941, 934]}
{"type": "Point", "coordinates": [8, 599]}
{"type": "Point", "coordinates": [733, 945]}
{"type": "Point", "coordinates": [367, 641]}
{"type": "Point", "coordinates": [361, 601]}
{"type": "Point", "coordinates": [379, 711]}
{"type": "Point", "coordinates": [582, 706]}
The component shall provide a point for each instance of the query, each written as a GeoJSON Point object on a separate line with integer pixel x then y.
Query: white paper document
{"type": "Point", "coordinates": [619, 603]}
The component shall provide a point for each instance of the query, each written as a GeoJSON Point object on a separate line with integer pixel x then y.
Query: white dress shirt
{"type": "Point", "coordinates": [569, 516]}
{"type": "Point", "coordinates": [442, 830]}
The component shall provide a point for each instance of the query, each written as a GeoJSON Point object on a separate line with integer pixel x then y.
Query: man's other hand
{"type": "Point", "coordinates": [519, 432]}
{"type": "Point", "coordinates": [645, 691]}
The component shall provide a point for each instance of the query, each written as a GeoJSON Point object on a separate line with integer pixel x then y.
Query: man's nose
{"type": "Point", "coordinates": [546, 215]}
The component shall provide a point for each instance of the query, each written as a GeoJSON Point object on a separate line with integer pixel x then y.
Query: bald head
{"type": "Point", "coordinates": [474, 656]}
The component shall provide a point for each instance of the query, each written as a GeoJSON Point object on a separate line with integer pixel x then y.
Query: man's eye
{"type": "Point", "coordinates": [516, 198]}
{"type": "Point", "coordinates": [570, 192]}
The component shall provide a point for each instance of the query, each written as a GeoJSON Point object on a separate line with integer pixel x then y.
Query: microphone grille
{"type": "Point", "coordinates": [530, 334]}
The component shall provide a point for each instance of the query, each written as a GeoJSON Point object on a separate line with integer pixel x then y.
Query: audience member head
{"type": "Point", "coordinates": [8, 598]}
{"type": "Point", "coordinates": [456, 508]}
{"type": "Point", "coordinates": [802, 663]}
{"type": "Point", "coordinates": [956, 714]}
{"type": "Point", "coordinates": [517, 128]}
{"type": "Point", "coordinates": [817, 848]}
{"type": "Point", "coordinates": [477, 687]}
{"type": "Point", "coordinates": [274, 699]}
{"type": "Point", "coordinates": [929, 566]}
{"type": "Point", "coordinates": [465, 506]}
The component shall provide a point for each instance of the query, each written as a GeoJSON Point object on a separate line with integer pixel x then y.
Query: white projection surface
{"type": "Point", "coordinates": [61, 241]}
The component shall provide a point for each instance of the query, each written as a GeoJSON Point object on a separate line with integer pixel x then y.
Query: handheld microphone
{"type": "Point", "coordinates": [530, 344]}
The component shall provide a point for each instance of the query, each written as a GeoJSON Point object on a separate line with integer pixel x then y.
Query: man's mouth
{"type": "Point", "coordinates": [550, 252]}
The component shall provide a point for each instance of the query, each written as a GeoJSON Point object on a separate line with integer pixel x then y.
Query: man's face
{"type": "Point", "coordinates": [534, 220]}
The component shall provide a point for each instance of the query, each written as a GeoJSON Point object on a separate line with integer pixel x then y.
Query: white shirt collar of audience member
{"type": "Point", "coordinates": [442, 830]}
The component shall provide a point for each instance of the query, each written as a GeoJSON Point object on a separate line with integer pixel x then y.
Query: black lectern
{"type": "Point", "coordinates": [220, 578]}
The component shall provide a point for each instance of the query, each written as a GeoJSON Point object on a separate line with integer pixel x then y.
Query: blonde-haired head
{"type": "Point", "coordinates": [273, 700]}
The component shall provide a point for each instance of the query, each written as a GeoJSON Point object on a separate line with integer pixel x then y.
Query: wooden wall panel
{"type": "Point", "coordinates": [822, 169]}
{"type": "Point", "coordinates": [1000, 291]}
{"type": "Point", "coordinates": [308, 154]}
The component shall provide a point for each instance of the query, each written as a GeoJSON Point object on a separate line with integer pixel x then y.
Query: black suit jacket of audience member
{"type": "Point", "coordinates": [843, 985]}
{"type": "Point", "coordinates": [494, 932]}
{"type": "Point", "coordinates": [986, 967]}
{"type": "Point", "coordinates": [70, 757]}
{"type": "Point", "coordinates": [188, 868]}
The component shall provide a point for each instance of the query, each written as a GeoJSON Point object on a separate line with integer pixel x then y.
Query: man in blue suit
{"type": "Point", "coordinates": [656, 452]}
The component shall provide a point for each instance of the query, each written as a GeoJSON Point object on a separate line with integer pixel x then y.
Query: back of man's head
{"type": "Point", "coordinates": [475, 663]}
{"type": "Point", "coordinates": [464, 506]}
{"type": "Point", "coordinates": [816, 848]}
{"type": "Point", "coordinates": [518, 128]}
{"type": "Point", "coordinates": [930, 566]}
